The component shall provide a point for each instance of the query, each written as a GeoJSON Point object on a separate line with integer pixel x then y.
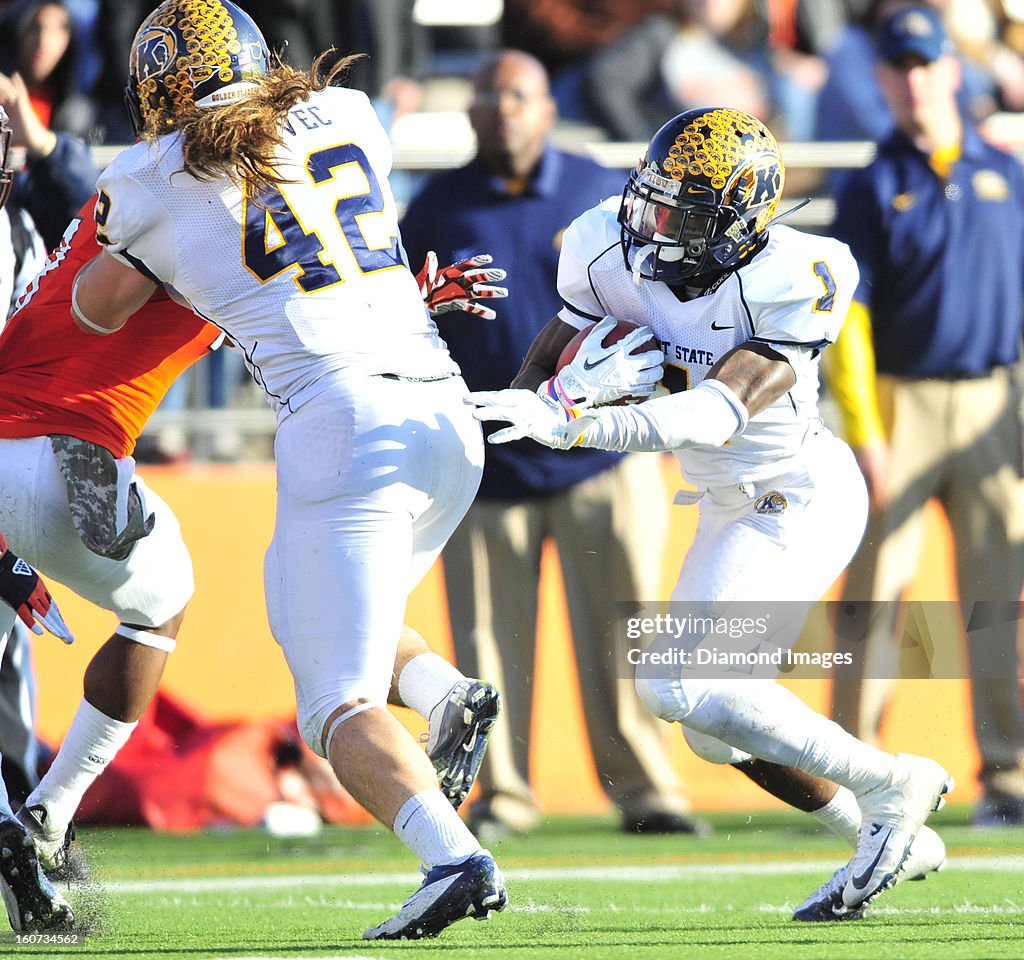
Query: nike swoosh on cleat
{"type": "Point", "coordinates": [861, 880]}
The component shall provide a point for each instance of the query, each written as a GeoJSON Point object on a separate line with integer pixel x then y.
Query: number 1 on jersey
{"type": "Point", "coordinates": [827, 300]}
{"type": "Point", "coordinates": [275, 240]}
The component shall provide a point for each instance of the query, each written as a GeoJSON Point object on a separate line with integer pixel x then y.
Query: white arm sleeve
{"type": "Point", "coordinates": [708, 415]}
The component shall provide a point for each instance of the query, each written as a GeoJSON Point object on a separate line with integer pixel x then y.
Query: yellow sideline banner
{"type": "Point", "coordinates": [227, 665]}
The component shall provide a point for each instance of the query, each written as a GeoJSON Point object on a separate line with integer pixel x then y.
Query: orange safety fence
{"type": "Point", "coordinates": [228, 667]}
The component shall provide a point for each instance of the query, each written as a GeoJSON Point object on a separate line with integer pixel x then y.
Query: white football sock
{"type": "Point", "coordinates": [429, 826]}
{"type": "Point", "coordinates": [426, 682]}
{"type": "Point", "coordinates": [764, 719]}
{"type": "Point", "coordinates": [89, 745]}
{"type": "Point", "coordinates": [841, 815]}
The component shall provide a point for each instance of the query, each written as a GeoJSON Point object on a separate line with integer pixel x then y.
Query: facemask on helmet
{"type": "Point", "coordinates": [702, 196]}
{"type": "Point", "coordinates": [192, 53]}
{"type": "Point", "coordinates": [6, 173]}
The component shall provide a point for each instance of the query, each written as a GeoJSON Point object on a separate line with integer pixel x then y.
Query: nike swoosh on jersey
{"type": "Point", "coordinates": [860, 881]}
{"type": "Point", "coordinates": [724, 326]}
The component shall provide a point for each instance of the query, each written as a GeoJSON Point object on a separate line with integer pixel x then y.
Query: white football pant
{"type": "Point", "coordinates": [373, 474]}
{"type": "Point", "coordinates": [148, 588]}
{"type": "Point", "coordinates": [739, 554]}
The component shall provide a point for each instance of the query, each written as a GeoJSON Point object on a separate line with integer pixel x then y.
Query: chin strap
{"type": "Point", "coordinates": [640, 257]}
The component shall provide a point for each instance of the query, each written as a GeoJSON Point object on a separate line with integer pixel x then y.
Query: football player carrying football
{"type": "Point", "coordinates": [742, 309]}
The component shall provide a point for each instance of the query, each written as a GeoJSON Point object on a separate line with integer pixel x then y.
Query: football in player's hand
{"type": "Point", "coordinates": [621, 329]}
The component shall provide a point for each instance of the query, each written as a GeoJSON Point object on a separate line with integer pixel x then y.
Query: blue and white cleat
{"type": "Point", "coordinates": [927, 855]}
{"type": "Point", "coordinates": [826, 903]}
{"type": "Point", "coordinates": [33, 903]}
{"type": "Point", "coordinates": [458, 741]}
{"type": "Point", "coordinates": [474, 888]}
{"type": "Point", "coordinates": [892, 817]}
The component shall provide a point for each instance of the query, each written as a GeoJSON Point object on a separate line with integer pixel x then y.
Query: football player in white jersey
{"type": "Point", "coordinates": [742, 313]}
{"type": "Point", "coordinates": [260, 195]}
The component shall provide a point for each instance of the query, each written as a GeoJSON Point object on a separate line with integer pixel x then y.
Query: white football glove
{"type": "Point", "coordinates": [530, 415]}
{"type": "Point", "coordinates": [600, 374]}
{"type": "Point", "coordinates": [455, 287]}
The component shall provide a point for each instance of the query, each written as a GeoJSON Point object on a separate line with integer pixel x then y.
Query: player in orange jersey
{"type": "Point", "coordinates": [72, 408]}
{"type": "Point", "coordinates": [70, 503]}
{"type": "Point", "coordinates": [31, 900]}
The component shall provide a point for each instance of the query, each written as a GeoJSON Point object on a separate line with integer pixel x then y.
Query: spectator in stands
{"type": "Point", "coordinates": [515, 198]}
{"type": "Point", "coordinates": [398, 53]}
{"type": "Point", "coordinates": [1009, 17]}
{"type": "Point", "coordinates": [563, 34]}
{"type": "Point", "coordinates": [800, 34]}
{"type": "Point", "coordinates": [42, 52]}
{"type": "Point", "coordinates": [852, 106]}
{"type": "Point", "coordinates": [59, 175]}
{"type": "Point", "coordinates": [695, 54]}
{"type": "Point", "coordinates": [808, 26]}
{"type": "Point", "coordinates": [976, 28]}
{"type": "Point", "coordinates": [924, 375]}
{"type": "Point", "coordinates": [88, 61]}
{"type": "Point", "coordinates": [738, 53]}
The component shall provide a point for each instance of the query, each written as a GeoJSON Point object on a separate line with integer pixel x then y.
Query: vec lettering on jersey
{"type": "Point", "coordinates": [308, 117]}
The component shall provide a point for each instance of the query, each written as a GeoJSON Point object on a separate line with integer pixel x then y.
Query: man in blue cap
{"type": "Point", "coordinates": [925, 378]}
{"type": "Point", "coordinates": [913, 31]}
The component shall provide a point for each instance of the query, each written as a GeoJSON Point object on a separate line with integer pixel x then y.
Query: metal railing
{"type": "Point", "coordinates": [619, 154]}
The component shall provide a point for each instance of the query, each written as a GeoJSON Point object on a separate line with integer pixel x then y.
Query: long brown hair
{"type": "Point", "coordinates": [239, 140]}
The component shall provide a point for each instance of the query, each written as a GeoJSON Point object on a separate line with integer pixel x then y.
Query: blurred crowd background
{"type": "Point", "coordinates": [619, 68]}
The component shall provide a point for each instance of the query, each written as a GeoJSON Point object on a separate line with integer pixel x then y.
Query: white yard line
{"type": "Point", "coordinates": [627, 874]}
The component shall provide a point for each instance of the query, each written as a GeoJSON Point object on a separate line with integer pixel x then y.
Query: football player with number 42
{"type": "Point", "coordinates": [260, 194]}
{"type": "Point", "coordinates": [742, 309]}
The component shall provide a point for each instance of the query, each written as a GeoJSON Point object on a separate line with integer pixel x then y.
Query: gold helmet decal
{"type": "Point", "coordinates": [735, 155]}
{"type": "Point", "coordinates": [153, 52]}
{"type": "Point", "coordinates": [702, 197]}
{"type": "Point", "coordinates": [187, 50]}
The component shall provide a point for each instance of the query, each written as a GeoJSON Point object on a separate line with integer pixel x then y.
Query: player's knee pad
{"type": "Point", "coordinates": [147, 638]}
{"type": "Point", "coordinates": [712, 749]}
{"type": "Point", "coordinates": [341, 718]}
{"type": "Point", "coordinates": [313, 725]}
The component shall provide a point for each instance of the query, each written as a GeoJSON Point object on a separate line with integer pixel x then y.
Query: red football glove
{"type": "Point", "coordinates": [456, 286]}
{"type": "Point", "coordinates": [23, 589]}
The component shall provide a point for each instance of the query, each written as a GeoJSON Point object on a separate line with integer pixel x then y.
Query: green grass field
{"type": "Point", "coordinates": [578, 889]}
